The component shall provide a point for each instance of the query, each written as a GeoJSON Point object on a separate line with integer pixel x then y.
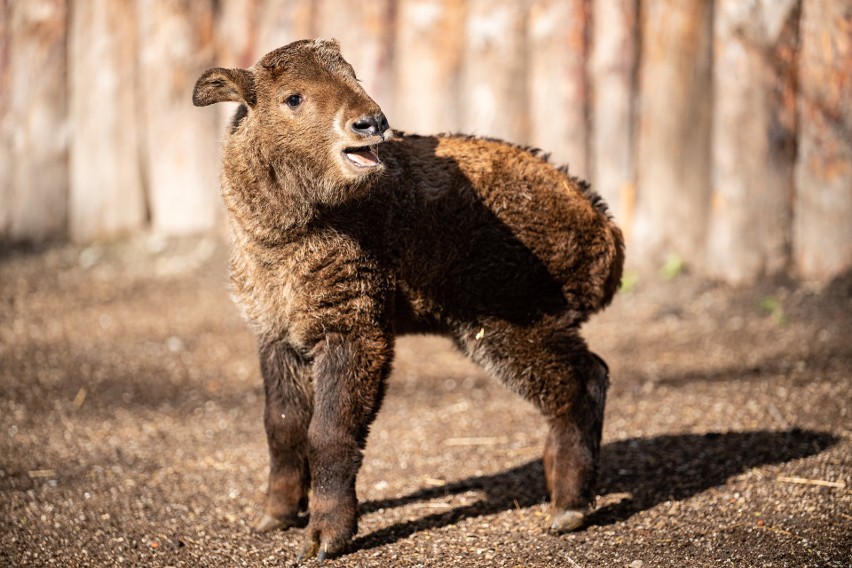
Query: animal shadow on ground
{"type": "Point", "coordinates": [651, 471]}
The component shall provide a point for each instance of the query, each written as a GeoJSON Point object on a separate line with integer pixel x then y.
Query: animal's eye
{"type": "Point", "coordinates": [293, 101]}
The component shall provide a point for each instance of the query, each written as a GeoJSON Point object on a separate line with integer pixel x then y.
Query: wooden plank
{"type": "Point", "coordinates": [613, 68]}
{"type": "Point", "coordinates": [280, 23]}
{"type": "Point", "coordinates": [237, 23]}
{"type": "Point", "coordinates": [38, 110]}
{"type": "Point", "coordinates": [494, 71]}
{"type": "Point", "coordinates": [180, 144]}
{"type": "Point", "coordinates": [365, 33]}
{"type": "Point", "coordinates": [6, 128]}
{"type": "Point", "coordinates": [106, 191]}
{"type": "Point", "coordinates": [754, 139]}
{"type": "Point", "coordinates": [822, 231]}
{"type": "Point", "coordinates": [428, 59]}
{"type": "Point", "coordinates": [558, 108]}
{"type": "Point", "coordinates": [673, 166]}
{"type": "Point", "coordinates": [246, 30]}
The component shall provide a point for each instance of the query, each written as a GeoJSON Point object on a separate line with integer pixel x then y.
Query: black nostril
{"type": "Point", "coordinates": [365, 125]}
{"type": "Point", "coordinates": [370, 125]}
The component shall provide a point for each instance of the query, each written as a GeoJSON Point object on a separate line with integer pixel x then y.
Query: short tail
{"type": "Point", "coordinates": [616, 268]}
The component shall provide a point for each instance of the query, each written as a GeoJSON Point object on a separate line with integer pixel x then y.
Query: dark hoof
{"type": "Point", "coordinates": [309, 550]}
{"type": "Point", "coordinates": [312, 549]}
{"type": "Point", "coordinates": [319, 546]}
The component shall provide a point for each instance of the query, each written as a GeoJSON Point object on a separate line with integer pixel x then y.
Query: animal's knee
{"type": "Point", "coordinates": [575, 390]}
{"type": "Point", "coordinates": [597, 380]}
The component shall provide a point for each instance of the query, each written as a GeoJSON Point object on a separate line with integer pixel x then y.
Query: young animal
{"type": "Point", "coordinates": [346, 236]}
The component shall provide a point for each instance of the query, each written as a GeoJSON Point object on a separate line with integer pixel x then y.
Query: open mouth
{"type": "Point", "coordinates": [363, 156]}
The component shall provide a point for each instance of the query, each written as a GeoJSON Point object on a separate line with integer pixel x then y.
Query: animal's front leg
{"type": "Point", "coordinates": [289, 405]}
{"type": "Point", "coordinates": [349, 380]}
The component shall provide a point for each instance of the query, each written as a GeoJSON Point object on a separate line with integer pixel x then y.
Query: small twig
{"type": "Point", "coordinates": [80, 398]}
{"type": "Point", "coordinates": [41, 473]}
{"type": "Point", "coordinates": [776, 414]}
{"type": "Point", "coordinates": [432, 482]}
{"type": "Point", "coordinates": [804, 481]}
{"type": "Point", "coordinates": [782, 531]}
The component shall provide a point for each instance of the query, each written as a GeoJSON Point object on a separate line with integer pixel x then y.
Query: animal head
{"type": "Point", "coordinates": [305, 115]}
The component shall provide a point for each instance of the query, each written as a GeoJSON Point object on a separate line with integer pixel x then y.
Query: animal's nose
{"type": "Point", "coordinates": [370, 125]}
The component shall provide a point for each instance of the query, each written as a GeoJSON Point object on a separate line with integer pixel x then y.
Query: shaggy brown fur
{"type": "Point", "coordinates": [345, 237]}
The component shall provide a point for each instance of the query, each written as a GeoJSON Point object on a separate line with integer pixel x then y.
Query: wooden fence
{"type": "Point", "coordinates": [719, 131]}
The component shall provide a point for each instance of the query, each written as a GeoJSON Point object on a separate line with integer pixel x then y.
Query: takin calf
{"type": "Point", "coordinates": [345, 236]}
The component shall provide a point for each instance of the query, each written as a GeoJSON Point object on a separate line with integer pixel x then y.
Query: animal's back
{"type": "Point", "coordinates": [493, 228]}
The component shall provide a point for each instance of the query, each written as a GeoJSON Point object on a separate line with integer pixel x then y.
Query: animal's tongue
{"type": "Point", "coordinates": [363, 157]}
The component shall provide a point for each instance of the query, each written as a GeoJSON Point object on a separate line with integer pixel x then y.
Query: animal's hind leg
{"type": "Point", "coordinates": [289, 406]}
{"type": "Point", "coordinates": [552, 367]}
{"type": "Point", "coordinates": [573, 445]}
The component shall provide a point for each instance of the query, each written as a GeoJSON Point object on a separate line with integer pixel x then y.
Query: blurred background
{"type": "Point", "coordinates": [720, 132]}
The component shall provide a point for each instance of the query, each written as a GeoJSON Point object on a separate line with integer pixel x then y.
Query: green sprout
{"type": "Point", "coordinates": [673, 267]}
{"type": "Point", "coordinates": [629, 280]}
{"type": "Point", "coordinates": [772, 306]}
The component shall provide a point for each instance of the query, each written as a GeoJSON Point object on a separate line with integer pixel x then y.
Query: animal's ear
{"type": "Point", "coordinates": [219, 84]}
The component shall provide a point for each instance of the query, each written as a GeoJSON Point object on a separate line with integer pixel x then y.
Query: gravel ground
{"type": "Point", "coordinates": [131, 428]}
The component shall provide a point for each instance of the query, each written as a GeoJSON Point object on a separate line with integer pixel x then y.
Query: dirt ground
{"type": "Point", "coordinates": [131, 428]}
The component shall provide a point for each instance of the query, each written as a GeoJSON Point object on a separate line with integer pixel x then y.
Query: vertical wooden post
{"type": "Point", "coordinates": [6, 127]}
{"type": "Point", "coordinates": [614, 61]}
{"type": "Point", "coordinates": [36, 103]}
{"type": "Point", "coordinates": [494, 74]}
{"type": "Point", "coordinates": [429, 44]}
{"type": "Point", "coordinates": [280, 23]}
{"type": "Point", "coordinates": [558, 33]}
{"type": "Point", "coordinates": [673, 168]}
{"type": "Point", "coordinates": [365, 32]}
{"type": "Point", "coordinates": [106, 193]}
{"type": "Point", "coordinates": [181, 145]}
{"type": "Point", "coordinates": [237, 33]}
{"type": "Point", "coordinates": [754, 139]}
{"type": "Point", "coordinates": [822, 237]}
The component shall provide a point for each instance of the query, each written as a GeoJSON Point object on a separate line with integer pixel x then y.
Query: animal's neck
{"type": "Point", "coordinates": [271, 211]}
{"type": "Point", "coordinates": [275, 199]}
